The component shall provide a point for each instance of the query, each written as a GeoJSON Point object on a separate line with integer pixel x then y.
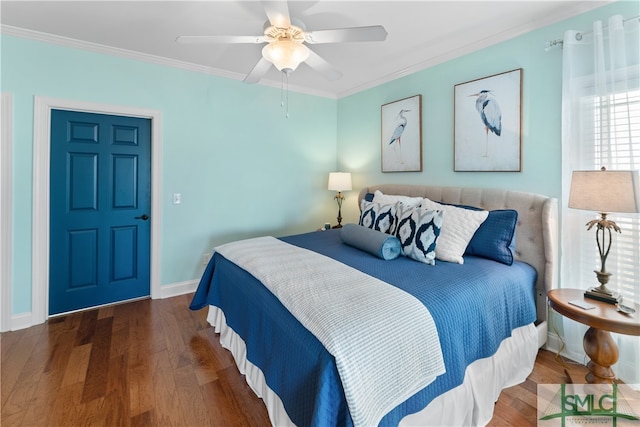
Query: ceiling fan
{"type": "Point", "coordinates": [286, 40]}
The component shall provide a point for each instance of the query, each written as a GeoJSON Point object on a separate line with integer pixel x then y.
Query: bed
{"type": "Point", "coordinates": [488, 331]}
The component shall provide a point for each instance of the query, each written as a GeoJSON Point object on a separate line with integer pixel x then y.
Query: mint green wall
{"type": "Point", "coordinates": [243, 169]}
{"type": "Point", "coordinates": [359, 114]}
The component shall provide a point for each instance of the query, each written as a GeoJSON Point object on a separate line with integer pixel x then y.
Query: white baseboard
{"type": "Point", "coordinates": [542, 333]}
{"type": "Point", "coordinates": [26, 320]}
{"type": "Point", "coordinates": [180, 288]}
{"type": "Point", "coordinates": [554, 342]}
{"type": "Point", "coordinates": [21, 321]}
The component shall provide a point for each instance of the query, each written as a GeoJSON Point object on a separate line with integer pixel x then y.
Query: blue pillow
{"type": "Point", "coordinates": [495, 239]}
{"type": "Point", "coordinates": [382, 245]}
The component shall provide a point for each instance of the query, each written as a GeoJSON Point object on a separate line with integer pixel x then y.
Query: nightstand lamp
{"type": "Point", "coordinates": [604, 191]}
{"type": "Point", "coordinates": [339, 181]}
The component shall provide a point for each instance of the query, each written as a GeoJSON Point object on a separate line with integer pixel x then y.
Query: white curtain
{"type": "Point", "coordinates": [601, 127]}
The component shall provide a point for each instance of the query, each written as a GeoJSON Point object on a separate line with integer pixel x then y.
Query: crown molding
{"type": "Point", "coordinates": [144, 57]}
{"type": "Point", "coordinates": [577, 9]}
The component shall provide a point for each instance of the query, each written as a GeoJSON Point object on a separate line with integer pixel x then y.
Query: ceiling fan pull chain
{"type": "Point", "coordinates": [282, 90]}
{"type": "Point", "coordinates": [287, 95]}
{"type": "Point", "coordinates": [284, 93]}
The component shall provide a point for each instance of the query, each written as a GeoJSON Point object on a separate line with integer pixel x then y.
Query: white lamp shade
{"type": "Point", "coordinates": [339, 181]}
{"type": "Point", "coordinates": [285, 54]}
{"type": "Point", "coordinates": [605, 191]}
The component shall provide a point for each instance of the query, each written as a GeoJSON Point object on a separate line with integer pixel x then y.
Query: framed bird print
{"type": "Point", "coordinates": [488, 124]}
{"type": "Point", "coordinates": [401, 135]}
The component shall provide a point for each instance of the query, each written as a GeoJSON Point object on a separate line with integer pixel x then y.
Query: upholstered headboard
{"type": "Point", "coordinates": [536, 230]}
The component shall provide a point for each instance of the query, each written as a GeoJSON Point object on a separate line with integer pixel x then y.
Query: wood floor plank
{"type": "Point", "coordinates": [120, 337]}
{"type": "Point", "coordinates": [176, 347]}
{"type": "Point", "coordinates": [16, 350]}
{"type": "Point", "coordinates": [155, 362]}
{"type": "Point", "coordinates": [92, 413]}
{"type": "Point", "coordinates": [116, 400]}
{"type": "Point", "coordinates": [95, 385]}
{"type": "Point", "coordinates": [220, 412]}
{"type": "Point", "coordinates": [104, 312]}
{"type": "Point", "coordinates": [191, 399]}
{"type": "Point", "coordinates": [242, 397]}
{"type": "Point", "coordinates": [61, 351]}
{"type": "Point", "coordinates": [141, 391]}
{"type": "Point", "coordinates": [507, 415]}
{"type": "Point", "coordinates": [67, 407]}
{"type": "Point", "coordinates": [205, 365]}
{"type": "Point", "coordinates": [141, 335]}
{"type": "Point", "coordinates": [222, 357]}
{"type": "Point", "coordinates": [144, 419]}
{"type": "Point", "coordinates": [21, 396]}
{"type": "Point", "coordinates": [166, 404]}
{"type": "Point", "coordinates": [86, 327]}
{"type": "Point", "coordinates": [146, 329]}
{"type": "Point", "coordinates": [12, 419]}
{"type": "Point", "coordinates": [43, 401]}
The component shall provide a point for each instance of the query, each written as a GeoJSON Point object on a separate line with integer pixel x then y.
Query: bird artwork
{"type": "Point", "coordinates": [396, 136]}
{"type": "Point", "coordinates": [490, 114]}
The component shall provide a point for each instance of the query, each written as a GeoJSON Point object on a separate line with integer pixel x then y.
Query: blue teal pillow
{"type": "Point", "coordinates": [495, 239]}
{"type": "Point", "coordinates": [382, 245]}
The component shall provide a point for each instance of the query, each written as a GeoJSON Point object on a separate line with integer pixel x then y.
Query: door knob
{"type": "Point", "coordinates": [144, 217]}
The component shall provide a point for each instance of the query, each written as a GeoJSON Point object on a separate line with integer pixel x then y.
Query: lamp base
{"type": "Point", "coordinates": [594, 293]}
{"type": "Point", "coordinates": [337, 226]}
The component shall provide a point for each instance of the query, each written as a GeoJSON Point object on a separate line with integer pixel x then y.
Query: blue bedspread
{"type": "Point", "coordinates": [475, 306]}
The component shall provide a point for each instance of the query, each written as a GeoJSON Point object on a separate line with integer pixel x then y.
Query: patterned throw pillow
{"type": "Point", "coordinates": [458, 229]}
{"type": "Point", "coordinates": [418, 231]}
{"type": "Point", "coordinates": [378, 217]}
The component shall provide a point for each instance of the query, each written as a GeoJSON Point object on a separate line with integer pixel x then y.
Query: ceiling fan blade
{"type": "Point", "coordinates": [319, 64]}
{"type": "Point", "coordinates": [355, 34]}
{"type": "Point", "coordinates": [219, 39]}
{"type": "Point", "coordinates": [278, 13]}
{"type": "Point", "coordinates": [258, 71]}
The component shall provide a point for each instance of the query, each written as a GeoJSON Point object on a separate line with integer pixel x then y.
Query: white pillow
{"type": "Point", "coordinates": [458, 228]}
{"type": "Point", "coordinates": [387, 199]}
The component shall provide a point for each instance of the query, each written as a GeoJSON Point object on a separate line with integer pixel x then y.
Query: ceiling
{"type": "Point", "coordinates": [420, 33]}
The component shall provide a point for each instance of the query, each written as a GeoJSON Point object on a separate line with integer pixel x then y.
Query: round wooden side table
{"type": "Point", "coordinates": [603, 319]}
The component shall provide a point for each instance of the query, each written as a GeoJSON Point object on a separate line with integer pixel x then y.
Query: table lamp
{"type": "Point", "coordinates": [604, 191]}
{"type": "Point", "coordinates": [339, 181]}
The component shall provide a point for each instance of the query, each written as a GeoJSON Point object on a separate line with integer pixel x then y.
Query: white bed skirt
{"type": "Point", "coordinates": [469, 404]}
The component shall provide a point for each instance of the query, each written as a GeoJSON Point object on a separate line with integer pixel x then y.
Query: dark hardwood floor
{"type": "Point", "coordinates": [155, 362]}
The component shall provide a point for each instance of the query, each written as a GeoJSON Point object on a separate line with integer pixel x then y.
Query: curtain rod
{"type": "Point", "coordinates": [549, 44]}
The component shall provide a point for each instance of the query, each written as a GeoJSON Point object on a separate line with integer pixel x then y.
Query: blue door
{"type": "Point", "coordinates": [100, 201]}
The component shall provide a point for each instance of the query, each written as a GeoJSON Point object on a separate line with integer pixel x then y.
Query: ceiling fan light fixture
{"type": "Point", "coordinates": [286, 55]}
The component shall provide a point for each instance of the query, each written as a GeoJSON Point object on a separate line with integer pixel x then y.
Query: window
{"type": "Point", "coordinates": [601, 127]}
{"type": "Point", "coordinates": [616, 144]}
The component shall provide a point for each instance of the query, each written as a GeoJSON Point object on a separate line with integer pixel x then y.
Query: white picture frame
{"type": "Point", "coordinates": [401, 135]}
{"type": "Point", "coordinates": [488, 124]}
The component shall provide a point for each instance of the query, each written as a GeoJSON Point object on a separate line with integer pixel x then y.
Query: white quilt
{"type": "Point", "coordinates": [383, 358]}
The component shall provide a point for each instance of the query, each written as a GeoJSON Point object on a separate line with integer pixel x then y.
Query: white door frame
{"type": "Point", "coordinates": [6, 209]}
{"type": "Point", "coordinates": [40, 225]}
